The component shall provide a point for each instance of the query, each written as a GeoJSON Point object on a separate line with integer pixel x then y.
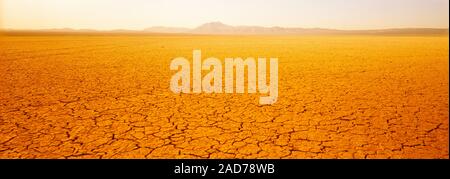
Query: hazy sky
{"type": "Point", "coordinates": [139, 14]}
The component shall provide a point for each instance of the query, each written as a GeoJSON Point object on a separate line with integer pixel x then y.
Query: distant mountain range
{"type": "Point", "coordinates": [214, 28]}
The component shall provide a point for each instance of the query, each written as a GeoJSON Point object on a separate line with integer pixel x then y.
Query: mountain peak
{"type": "Point", "coordinates": [214, 27]}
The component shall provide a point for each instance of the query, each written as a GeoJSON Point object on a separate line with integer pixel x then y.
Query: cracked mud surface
{"type": "Point", "coordinates": [109, 97]}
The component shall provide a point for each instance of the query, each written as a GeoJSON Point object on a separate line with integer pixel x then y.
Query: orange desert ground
{"type": "Point", "coordinates": [108, 96]}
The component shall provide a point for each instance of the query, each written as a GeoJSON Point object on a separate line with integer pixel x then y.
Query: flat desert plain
{"type": "Point", "coordinates": [108, 96]}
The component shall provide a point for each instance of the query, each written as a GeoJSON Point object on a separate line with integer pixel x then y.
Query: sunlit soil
{"type": "Point", "coordinates": [109, 97]}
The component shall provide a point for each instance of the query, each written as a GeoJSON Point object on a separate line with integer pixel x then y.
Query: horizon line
{"type": "Point", "coordinates": [218, 28]}
{"type": "Point", "coordinates": [214, 22]}
{"type": "Point", "coordinates": [61, 29]}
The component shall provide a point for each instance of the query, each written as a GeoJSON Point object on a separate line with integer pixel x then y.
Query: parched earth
{"type": "Point", "coordinates": [108, 97]}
